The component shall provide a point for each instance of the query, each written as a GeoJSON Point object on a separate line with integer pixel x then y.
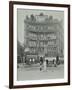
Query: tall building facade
{"type": "Point", "coordinates": [43, 35]}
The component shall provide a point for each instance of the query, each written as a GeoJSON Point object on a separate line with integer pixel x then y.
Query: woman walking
{"type": "Point", "coordinates": [44, 64]}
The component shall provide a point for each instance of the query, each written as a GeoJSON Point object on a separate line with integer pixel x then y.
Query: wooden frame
{"type": "Point", "coordinates": [11, 36]}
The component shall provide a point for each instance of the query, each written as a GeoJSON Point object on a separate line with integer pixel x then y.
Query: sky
{"type": "Point", "coordinates": [21, 15]}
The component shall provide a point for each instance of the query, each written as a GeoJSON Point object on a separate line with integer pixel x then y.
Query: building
{"type": "Point", "coordinates": [43, 36]}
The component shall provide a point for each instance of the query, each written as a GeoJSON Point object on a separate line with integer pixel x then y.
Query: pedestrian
{"type": "Point", "coordinates": [47, 63]}
{"type": "Point", "coordinates": [55, 64]}
{"type": "Point", "coordinates": [41, 63]}
{"type": "Point", "coordinates": [57, 59]}
{"type": "Point", "coordinates": [44, 64]}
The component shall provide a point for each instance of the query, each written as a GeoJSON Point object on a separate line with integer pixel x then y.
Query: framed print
{"type": "Point", "coordinates": [39, 44]}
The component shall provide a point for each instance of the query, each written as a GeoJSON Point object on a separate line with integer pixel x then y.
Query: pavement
{"type": "Point", "coordinates": [32, 72]}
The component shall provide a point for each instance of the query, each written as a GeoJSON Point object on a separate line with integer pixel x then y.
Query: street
{"type": "Point", "coordinates": [26, 72]}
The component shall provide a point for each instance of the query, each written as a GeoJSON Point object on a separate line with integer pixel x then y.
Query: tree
{"type": "Point", "coordinates": [50, 17]}
{"type": "Point", "coordinates": [41, 14]}
{"type": "Point", "coordinates": [32, 17]}
{"type": "Point", "coordinates": [20, 50]}
{"type": "Point", "coordinates": [27, 17]}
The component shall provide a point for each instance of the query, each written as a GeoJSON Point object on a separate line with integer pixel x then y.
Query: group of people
{"type": "Point", "coordinates": [44, 63]}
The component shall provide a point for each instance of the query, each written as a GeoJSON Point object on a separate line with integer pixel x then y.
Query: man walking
{"type": "Point", "coordinates": [41, 63]}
